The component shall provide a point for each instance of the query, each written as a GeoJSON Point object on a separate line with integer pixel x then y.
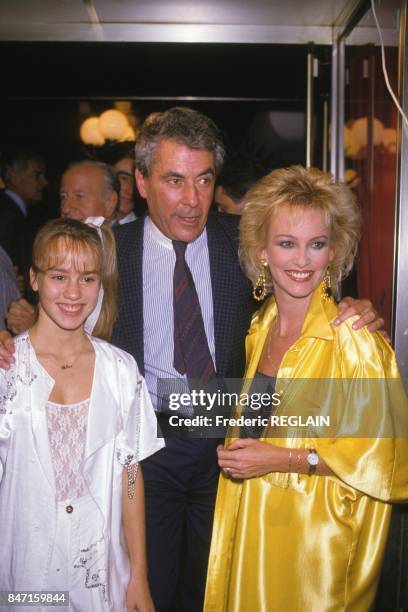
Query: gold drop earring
{"type": "Point", "coordinates": [259, 292]}
{"type": "Point", "coordinates": [327, 292]}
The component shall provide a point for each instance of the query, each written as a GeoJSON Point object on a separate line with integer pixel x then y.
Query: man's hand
{"type": "Point", "coordinates": [249, 458]}
{"type": "Point", "coordinates": [21, 315]}
{"type": "Point", "coordinates": [350, 307]}
{"type": "Point", "coordinates": [6, 350]}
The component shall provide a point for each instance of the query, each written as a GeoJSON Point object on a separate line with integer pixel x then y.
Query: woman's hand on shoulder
{"type": "Point", "coordinates": [249, 458]}
{"type": "Point", "coordinates": [138, 596]}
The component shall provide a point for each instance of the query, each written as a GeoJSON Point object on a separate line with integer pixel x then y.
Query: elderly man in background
{"type": "Point", "coordinates": [87, 189]}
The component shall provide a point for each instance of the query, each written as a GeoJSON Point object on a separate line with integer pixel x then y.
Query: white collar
{"type": "Point", "coordinates": [157, 235]}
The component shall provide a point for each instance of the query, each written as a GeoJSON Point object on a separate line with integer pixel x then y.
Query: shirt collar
{"type": "Point", "coordinates": [19, 201]}
{"type": "Point", "coordinates": [157, 236]}
{"type": "Point", "coordinates": [153, 232]}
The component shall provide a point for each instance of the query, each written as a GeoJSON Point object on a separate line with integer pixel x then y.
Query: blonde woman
{"type": "Point", "coordinates": [302, 516]}
{"type": "Point", "coordinates": [75, 420]}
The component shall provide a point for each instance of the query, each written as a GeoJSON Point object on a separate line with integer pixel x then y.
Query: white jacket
{"type": "Point", "coordinates": [121, 428]}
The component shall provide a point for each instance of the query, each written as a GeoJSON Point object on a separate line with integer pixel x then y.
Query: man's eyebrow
{"type": "Point", "coordinates": [209, 170]}
{"type": "Point", "coordinates": [174, 174]}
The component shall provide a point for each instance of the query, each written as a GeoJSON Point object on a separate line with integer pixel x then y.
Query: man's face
{"type": "Point", "coordinates": [179, 189]}
{"type": "Point", "coordinates": [83, 194]}
{"type": "Point", "coordinates": [29, 183]}
{"type": "Point", "coordinates": [125, 169]}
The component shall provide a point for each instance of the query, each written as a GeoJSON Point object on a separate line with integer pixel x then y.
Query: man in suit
{"type": "Point", "coordinates": [24, 176]}
{"type": "Point", "coordinates": [178, 156]}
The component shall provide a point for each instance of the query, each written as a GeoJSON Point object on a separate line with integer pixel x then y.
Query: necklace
{"type": "Point", "coordinates": [66, 366]}
{"type": "Point", "coordinates": [69, 366]}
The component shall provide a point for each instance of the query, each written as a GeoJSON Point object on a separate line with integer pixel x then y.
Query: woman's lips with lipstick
{"type": "Point", "coordinates": [299, 277]}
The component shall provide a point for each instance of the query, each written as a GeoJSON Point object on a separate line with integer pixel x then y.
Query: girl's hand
{"type": "Point", "coordinates": [138, 596]}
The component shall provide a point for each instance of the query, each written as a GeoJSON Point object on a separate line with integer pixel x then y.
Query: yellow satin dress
{"type": "Point", "coordinates": [289, 543]}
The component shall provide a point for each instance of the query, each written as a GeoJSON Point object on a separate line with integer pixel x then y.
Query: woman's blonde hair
{"type": "Point", "coordinates": [300, 188]}
{"type": "Point", "coordinates": [60, 236]}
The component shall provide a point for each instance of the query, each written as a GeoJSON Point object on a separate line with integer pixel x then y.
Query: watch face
{"type": "Point", "coordinates": [313, 458]}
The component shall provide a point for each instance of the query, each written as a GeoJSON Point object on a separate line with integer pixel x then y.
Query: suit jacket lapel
{"type": "Point", "coordinates": [223, 259]}
{"type": "Point", "coordinates": [129, 330]}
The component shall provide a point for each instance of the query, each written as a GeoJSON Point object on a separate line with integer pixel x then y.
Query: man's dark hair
{"type": "Point", "coordinates": [184, 126]}
{"type": "Point", "coordinates": [239, 174]}
{"type": "Point", "coordinates": [17, 161]}
{"type": "Point", "coordinates": [112, 153]}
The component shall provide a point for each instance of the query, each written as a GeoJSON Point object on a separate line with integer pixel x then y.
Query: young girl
{"type": "Point", "coordinates": [75, 420]}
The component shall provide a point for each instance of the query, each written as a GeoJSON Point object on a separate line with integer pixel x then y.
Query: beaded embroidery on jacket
{"type": "Point", "coordinates": [124, 456]}
{"type": "Point", "coordinates": [20, 372]}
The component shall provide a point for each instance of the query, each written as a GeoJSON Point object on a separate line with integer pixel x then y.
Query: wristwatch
{"type": "Point", "coordinates": [312, 459]}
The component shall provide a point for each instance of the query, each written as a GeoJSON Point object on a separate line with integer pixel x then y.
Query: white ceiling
{"type": "Point", "coordinates": [263, 21]}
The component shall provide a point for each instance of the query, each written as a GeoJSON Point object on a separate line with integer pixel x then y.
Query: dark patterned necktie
{"type": "Point", "coordinates": [191, 353]}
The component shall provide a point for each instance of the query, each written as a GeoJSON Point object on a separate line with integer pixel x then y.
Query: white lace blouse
{"type": "Point", "coordinates": [67, 434]}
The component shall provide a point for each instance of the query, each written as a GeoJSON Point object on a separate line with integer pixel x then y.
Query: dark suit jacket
{"type": "Point", "coordinates": [13, 233]}
{"type": "Point", "coordinates": [233, 304]}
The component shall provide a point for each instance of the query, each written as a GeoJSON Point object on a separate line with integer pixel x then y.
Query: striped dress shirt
{"type": "Point", "coordinates": [158, 324]}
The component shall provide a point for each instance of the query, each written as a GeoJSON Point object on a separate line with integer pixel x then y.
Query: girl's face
{"type": "Point", "coordinates": [68, 291]}
{"type": "Point", "coordinates": [298, 251]}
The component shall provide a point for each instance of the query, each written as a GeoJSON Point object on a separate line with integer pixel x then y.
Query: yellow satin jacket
{"type": "Point", "coordinates": [297, 543]}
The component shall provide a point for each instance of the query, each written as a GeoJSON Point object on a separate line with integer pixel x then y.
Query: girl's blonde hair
{"type": "Point", "coordinates": [300, 188]}
{"type": "Point", "coordinates": [62, 236]}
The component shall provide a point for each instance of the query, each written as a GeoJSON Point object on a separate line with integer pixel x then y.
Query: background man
{"type": "Point", "coordinates": [24, 177]}
{"type": "Point", "coordinates": [89, 189]}
{"type": "Point", "coordinates": [237, 176]}
{"type": "Point", "coordinates": [121, 156]}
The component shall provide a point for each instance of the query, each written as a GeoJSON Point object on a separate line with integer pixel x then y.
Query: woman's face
{"type": "Point", "coordinates": [297, 250]}
{"type": "Point", "coordinates": [68, 292]}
